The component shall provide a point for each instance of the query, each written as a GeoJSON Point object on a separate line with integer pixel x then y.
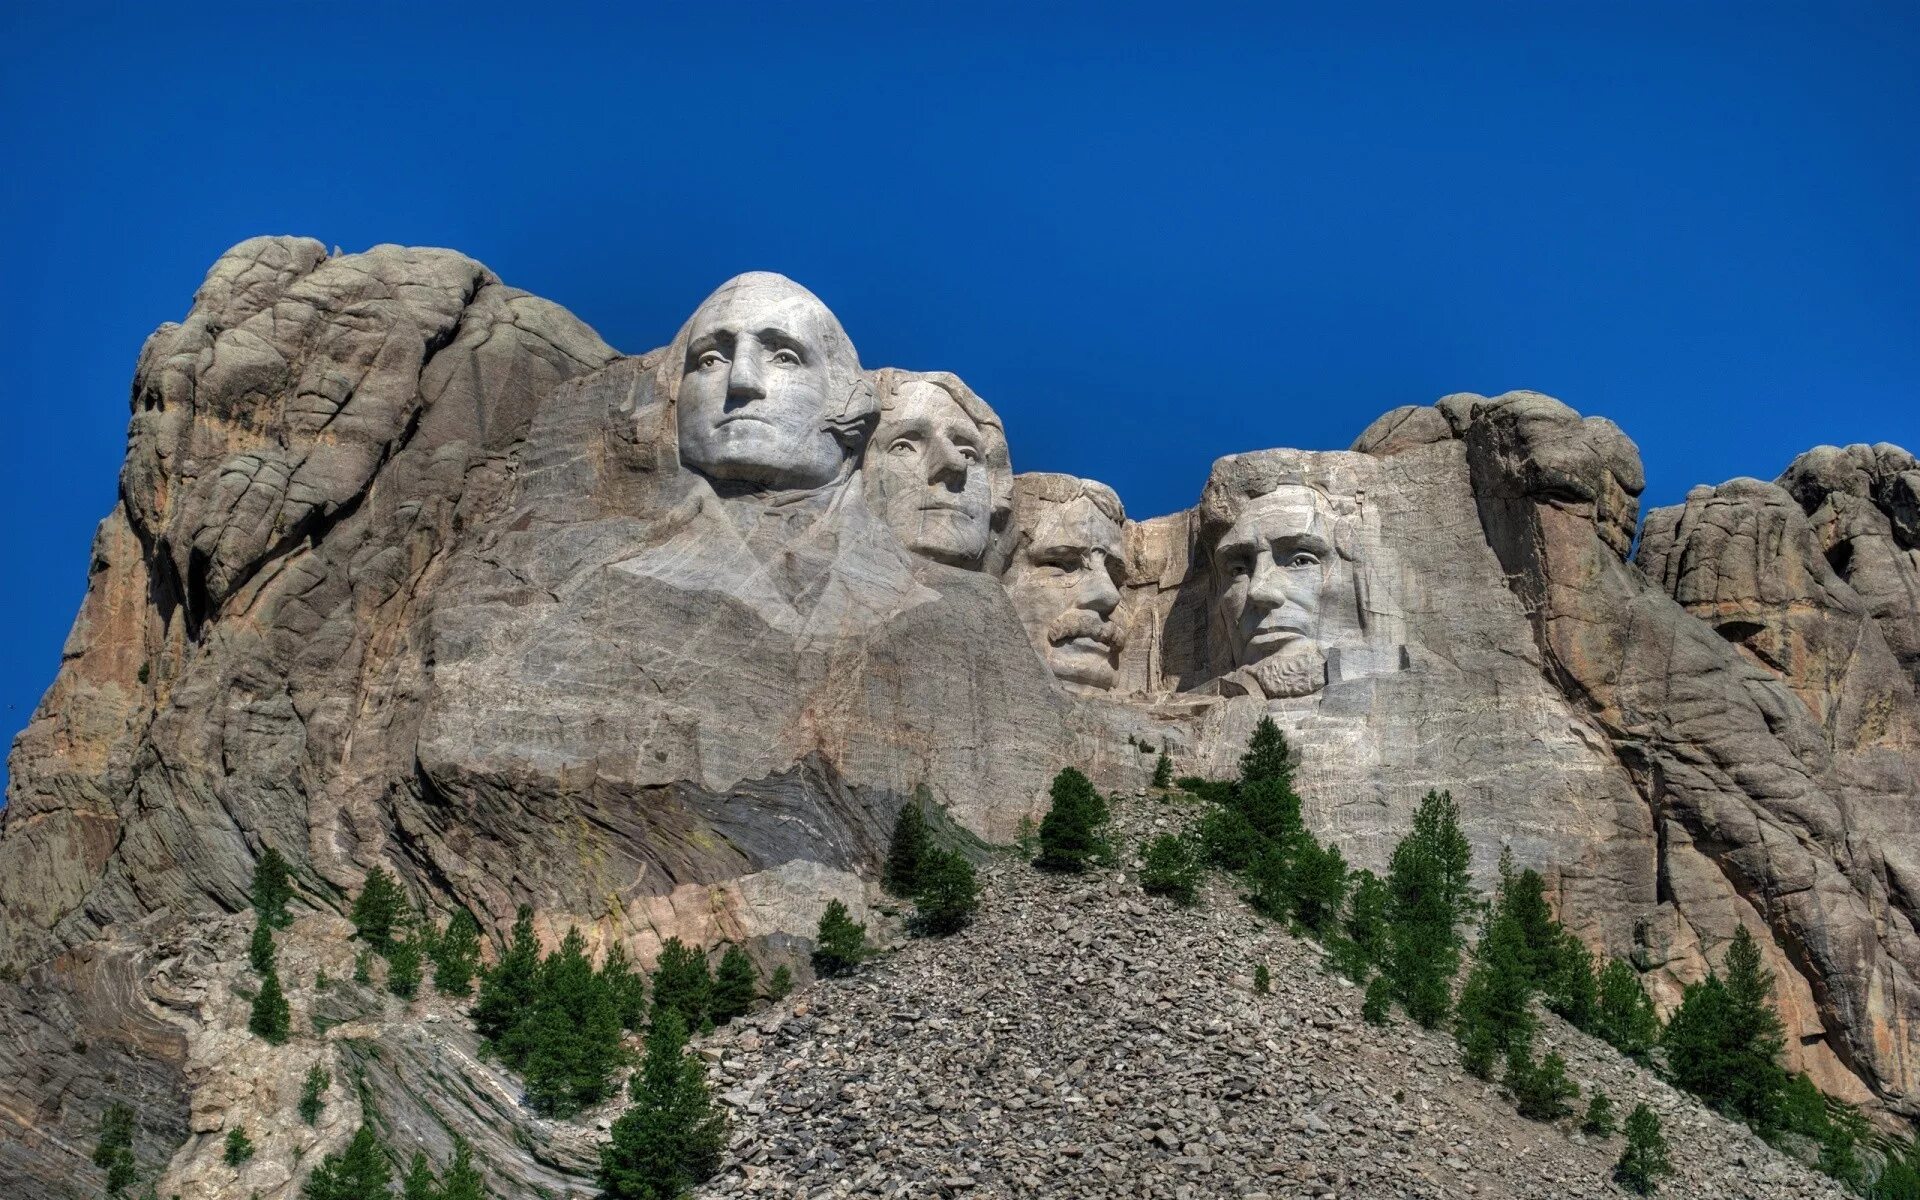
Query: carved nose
{"type": "Point", "coordinates": [1268, 589]}
{"type": "Point", "coordinates": [1096, 588]}
{"type": "Point", "coordinates": [945, 464]}
{"type": "Point", "coordinates": [744, 381]}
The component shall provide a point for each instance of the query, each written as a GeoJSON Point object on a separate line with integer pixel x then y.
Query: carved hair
{"type": "Point", "coordinates": [1052, 489]}
{"type": "Point", "coordinates": [1239, 479]}
{"type": "Point", "coordinates": [887, 384]}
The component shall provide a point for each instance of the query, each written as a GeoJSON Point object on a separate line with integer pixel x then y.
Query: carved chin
{"type": "Point", "coordinates": [1083, 666]}
{"type": "Point", "coordinates": [1300, 671]}
{"type": "Point", "coordinates": [952, 538]}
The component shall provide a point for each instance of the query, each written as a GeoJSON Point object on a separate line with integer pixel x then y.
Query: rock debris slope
{"type": "Point", "coordinates": [411, 570]}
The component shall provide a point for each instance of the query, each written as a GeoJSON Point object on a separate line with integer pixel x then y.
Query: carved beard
{"type": "Point", "coordinates": [1299, 673]}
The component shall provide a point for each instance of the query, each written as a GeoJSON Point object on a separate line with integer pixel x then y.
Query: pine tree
{"type": "Point", "coordinates": [681, 982]}
{"type": "Point", "coordinates": [1724, 1042]}
{"type": "Point", "coordinates": [359, 1172]}
{"type": "Point", "coordinates": [271, 1018]}
{"type": "Point", "coordinates": [1645, 1158]}
{"type": "Point", "coordinates": [1318, 885]}
{"type": "Point", "coordinates": [420, 1183]}
{"type": "Point", "coordinates": [947, 896]}
{"type": "Point", "coordinates": [1070, 832]}
{"type": "Point", "coordinates": [906, 850]}
{"type": "Point", "coordinates": [456, 955]}
{"type": "Point", "coordinates": [1495, 1013]}
{"type": "Point", "coordinates": [735, 986]}
{"type": "Point", "coordinates": [1262, 980]}
{"type": "Point", "coordinates": [1375, 1009]}
{"type": "Point", "coordinates": [1171, 867]}
{"type": "Point", "coordinates": [1228, 840]}
{"type": "Point", "coordinates": [403, 968]}
{"type": "Point", "coordinates": [573, 1042]}
{"type": "Point", "coordinates": [1623, 1015]}
{"type": "Point", "coordinates": [378, 910]}
{"type": "Point", "coordinates": [1429, 892]}
{"type": "Point", "coordinates": [1163, 771]}
{"type": "Point", "coordinates": [272, 889]}
{"type": "Point", "coordinates": [113, 1153]}
{"type": "Point", "coordinates": [1598, 1121]}
{"type": "Point", "coordinates": [239, 1147]}
{"type": "Point", "coordinates": [839, 944]}
{"type": "Point", "coordinates": [1540, 1090]}
{"type": "Point", "coordinates": [1569, 990]}
{"type": "Point", "coordinates": [1359, 943]}
{"type": "Point", "coordinates": [312, 1093]}
{"type": "Point", "coordinates": [260, 949]}
{"type": "Point", "coordinates": [780, 986]}
{"type": "Point", "coordinates": [1522, 901]}
{"type": "Point", "coordinates": [507, 991]}
{"type": "Point", "coordinates": [462, 1181]}
{"type": "Point", "coordinates": [626, 987]}
{"type": "Point", "coordinates": [1267, 756]}
{"type": "Point", "coordinates": [672, 1137]}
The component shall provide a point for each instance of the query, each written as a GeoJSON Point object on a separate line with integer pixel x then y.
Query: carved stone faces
{"type": "Point", "coordinates": [937, 468]}
{"type": "Point", "coordinates": [1065, 578]}
{"type": "Point", "coordinates": [767, 388]}
{"type": "Point", "coordinates": [1271, 569]}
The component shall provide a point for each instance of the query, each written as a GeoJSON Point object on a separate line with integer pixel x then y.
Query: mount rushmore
{"type": "Point", "coordinates": [410, 569]}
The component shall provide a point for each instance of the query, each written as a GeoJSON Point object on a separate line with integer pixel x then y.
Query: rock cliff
{"type": "Point", "coordinates": [411, 570]}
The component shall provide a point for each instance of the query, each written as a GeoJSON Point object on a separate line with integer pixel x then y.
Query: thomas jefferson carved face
{"type": "Point", "coordinates": [1065, 578]}
{"type": "Point", "coordinates": [932, 468]}
{"type": "Point", "coordinates": [1271, 569]}
{"type": "Point", "coordinates": [767, 383]}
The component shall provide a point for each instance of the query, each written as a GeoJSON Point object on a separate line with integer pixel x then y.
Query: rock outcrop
{"type": "Point", "coordinates": [411, 570]}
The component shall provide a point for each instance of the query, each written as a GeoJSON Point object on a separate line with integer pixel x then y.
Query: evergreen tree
{"type": "Point", "coordinates": [1429, 893]}
{"type": "Point", "coordinates": [1495, 1013]}
{"type": "Point", "coordinates": [1899, 1178]}
{"type": "Point", "coordinates": [735, 986]}
{"type": "Point", "coordinates": [947, 896]}
{"type": "Point", "coordinates": [839, 944]}
{"type": "Point", "coordinates": [1358, 943]}
{"type": "Point", "coordinates": [1379, 1000]}
{"type": "Point", "coordinates": [1318, 885]}
{"type": "Point", "coordinates": [1645, 1158]}
{"type": "Point", "coordinates": [1262, 980]}
{"type": "Point", "coordinates": [781, 985]}
{"type": "Point", "coordinates": [1228, 840]}
{"type": "Point", "coordinates": [573, 1042]}
{"type": "Point", "coordinates": [1163, 771]}
{"type": "Point", "coordinates": [403, 968]}
{"type": "Point", "coordinates": [507, 991]}
{"type": "Point", "coordinates": [1171, 867]}
{"type": "Point", "coordinates": [260, 949]}
{"type": "Point", "coordinates": [271, 1018]}
{"type": "Point", "coordinates": [113, 1153]}
{"type": "Point", "coordinates": [379, 910]}
{"type": "Point", "coordinates": [272, 889]}
{"type": "Point", "coordinates": [1623, 1015]}
{"type": "Point", "coordinates": [1724, 1042]}
{"type": "Point", "coordinates": [420, 1183]}
{"type": "Point", "coordinates": [1070, 832]}
{"type": "Point", "coordinates": [239, 1147]}
{"type": "Point", "coordinates": [463, 1178]}
{"type": "Point", "coordinates": [906, 850]}
{"type": "Point", "coordinates": [626, 987]}
{"type": "Point", "coordinates": [359, 1172]}
{"type": "Point", "coordinates": [682, 982]}
{"type": "Point", "coordinates": [1540, 1090]}
{"type": "Point", "coordinates": [671, 1139]}
{"type": "Point", "coordinates": [1569, 989]}
{"type": "Point", "coordinates": [312, 1093]}
{"type": "Point", "coordinates": [456, 955]}
{"type": "Point", "coordinates": [1599, 1119]}
{"type": "Point", "coordinates": [1267, 756]}
{"type": "Point", "coordinates": [363, 967]}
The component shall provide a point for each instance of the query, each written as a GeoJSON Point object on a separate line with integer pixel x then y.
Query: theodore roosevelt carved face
{"type": "Point", "coordinates": [1065, 578]}
{"type": "Point", "coordinates": [1271, 569]}
{"type": "Point", "coordinates": [767, 388]}
{"type": "Point", "coordinates": [937, 467]}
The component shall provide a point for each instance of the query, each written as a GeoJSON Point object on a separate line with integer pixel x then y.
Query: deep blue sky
{"type": "Point", "coordinates": [1148, 237]}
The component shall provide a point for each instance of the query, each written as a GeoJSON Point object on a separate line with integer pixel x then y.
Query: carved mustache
{"type": "Point", "coordinates": [1080, 622]}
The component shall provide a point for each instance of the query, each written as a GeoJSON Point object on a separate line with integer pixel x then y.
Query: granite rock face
{"type": "Point", "coordinates": [411, 570]}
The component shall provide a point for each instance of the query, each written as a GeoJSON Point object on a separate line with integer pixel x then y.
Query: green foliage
{"type": "Point", "coordinates": [1213, 791]}
{"type": "Point", "coordinates": [1599, 1121]}
{"type": "Point", "coordinates": [1429, 894]}
{"type": "Point", "coordinates": [1836, 1126]}
{"type": "Point", "coordinates": [1070, 833]}
{"type": "Point", "coordinates": [462, 1181]}
{"type": "Point", "coordinates": [1361, 941]}
{"type": "Point", "coordinates": [260, 949]}
{"type": "Point", "coordinates": [947, 895]}
{"type": "Point", "coordinates": [1569, 988]}
{"type": "Point", "coordinates": [681, 982]}
{"type": "Point", "coordinates": [403, 968]}
{"type": "Point", "coordinates": [363, 967]}
{"type": "Point", "coordinates": [1262, 980]}
{"type": "Point", "coordinates": [839, 944]}
{"type": "Point", "coordinates": [780, 986]}
{"type": "Point", "coordinates": [507, 991]}
{"type": "Point", "coordinates": [1228, 840]}
{"type": "Point", "coordinates": [573, 1034]}
{"type": "Point", "coordinates": [1540, 1090]}
{"type": "Point", "coordinates": [671, 1139]}
{"type": "Point", "coordinates": [1375, 1009]}
{"type": "Point", "coordinates": [1899, 1178]}
{"type": "Point", "coordinates": [626, 987]}
{"type": "Point", "coordinates": [420, 1183]}
{"type": "Point", "coordinates": [735, 986]}
{"type": "Point", "coordinates": [1163, 771]}
{"type": "Point", "coordinates": [239, 1147]}
{"type": "Point", "coordinates": [312, 1093]}
{"type": "Point", "coordinates": [272, 1017]}
{"type": "Point", "coordinates": [1495, 1013]}
{"type": "Point", "coordinates": [1623, 1016]}
{"type": "Point", "coordinates": [272, 889]}
{"type": "Point", "coordinates": [906, 850]}
{"type": "Point", "coordinates": [1318, 885]}
{"type": "Point", "coordinates": [1267, 756]}
{"type": "Point", "coordinates": [456, 955]}
{"type": "Point", "coordinates": [359, 1172]}
{"type": "Point", "coordinates": [1725, 1040]}
{"type": "Point", "coordinates": [113, 1153]}
{"type": "Point", "coordinates": [1645, 1158]}
{"type": "Point", "coordinates": [1171, 867]}
{"type": "Point", "coordinates": [379, 910]}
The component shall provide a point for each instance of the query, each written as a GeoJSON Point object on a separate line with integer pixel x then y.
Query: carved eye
{"type": "Point", "coordinates": [786, 357]}
{"type": "Point", "coordinates": [1303, 558]}
{"type": "Point", "coordinates": [1239, 566]}
{"type": "Point", "coordinates": [969, 453]}
{"type": "Point", "coordinates": [902, 446]}
{"type": "Point", "coordinates": [710, 358]}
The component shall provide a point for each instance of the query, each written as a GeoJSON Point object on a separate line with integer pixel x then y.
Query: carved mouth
{"type": "Point", "coordinates": [1274, 639]}
{"type": "Point", "coordinates": [1096, 645]}
{"type": "Point", "coordinates": [943, 506]}
{"type": "Point", "coordinates": [726, 421]}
